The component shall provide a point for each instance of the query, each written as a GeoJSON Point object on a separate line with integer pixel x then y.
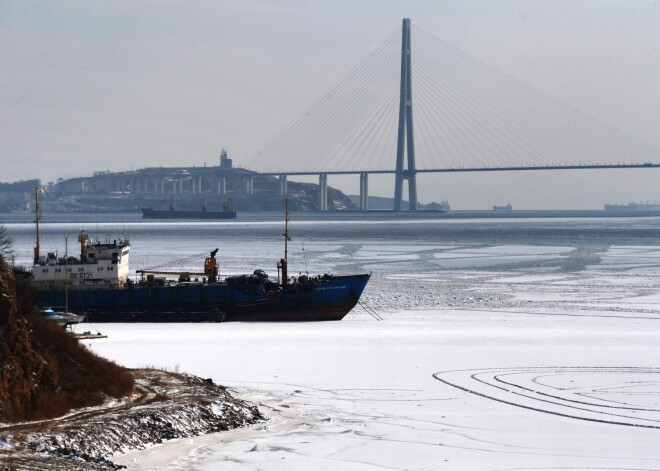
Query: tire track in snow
{"type": "Point", "coordinates": [522, 388]}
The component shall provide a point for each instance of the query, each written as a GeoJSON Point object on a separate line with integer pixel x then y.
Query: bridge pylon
{"type": "Point", "coordinates": [405, 128]}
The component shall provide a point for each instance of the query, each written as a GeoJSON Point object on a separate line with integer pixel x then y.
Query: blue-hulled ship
{"type": "Point", "coordinates": [97, 285]}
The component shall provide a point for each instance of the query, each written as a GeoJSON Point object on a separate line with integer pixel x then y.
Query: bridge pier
{"type": "Point", "coordinates": [323, 192]}
{"type": "Point", "coordinates": [283, 185]}
{"type": "Point", "coordinates": [222, 186]}
{"type": "Point", "coordinates": [249, 185]}
{"type": "Point", "coordinates": [364, 191]}
{"type": "Point", "coordinates": [405, 127]}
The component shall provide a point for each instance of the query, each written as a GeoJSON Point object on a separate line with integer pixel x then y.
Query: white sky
{"type": "Point", "coordinates": [117, 85]}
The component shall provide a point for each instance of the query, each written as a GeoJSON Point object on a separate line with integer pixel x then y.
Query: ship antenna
{"type": "Point", "coordinates": [37, 217]}
{"type": "Point", "coordinates": [286, 228]}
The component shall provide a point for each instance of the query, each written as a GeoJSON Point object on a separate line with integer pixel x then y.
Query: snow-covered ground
{"type": "Point", "coordinates": [490, 357]}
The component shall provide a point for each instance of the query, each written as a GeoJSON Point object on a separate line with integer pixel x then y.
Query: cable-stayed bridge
{"type": "Point", "coordinates": [468, 117]}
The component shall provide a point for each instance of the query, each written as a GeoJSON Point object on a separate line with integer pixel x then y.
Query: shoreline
{"type": "Point", "coordinates": [164, 406]}
{"type": "Point", "coordinates": [317, 216]}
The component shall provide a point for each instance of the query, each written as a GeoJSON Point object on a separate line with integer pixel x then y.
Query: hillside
{"type": "Point", "coordinates": [187, 188]}
{"type": "Point", "coordinates": [45, 372]}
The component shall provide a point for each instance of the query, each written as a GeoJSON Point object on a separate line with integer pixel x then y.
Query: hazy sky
{"type": "Point", "coordinates": [95, 85]}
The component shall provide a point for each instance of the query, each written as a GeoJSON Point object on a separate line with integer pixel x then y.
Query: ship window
{"type": "Point", "coordinates": [80, 269]}
{"type": "Point", "coordinates": [91, 255]}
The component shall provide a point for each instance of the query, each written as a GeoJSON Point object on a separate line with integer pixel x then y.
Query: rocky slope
{"type": "Point", "coordinates": [164, 406]}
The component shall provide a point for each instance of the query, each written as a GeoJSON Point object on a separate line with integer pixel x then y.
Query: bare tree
{"type": "Point", "coordinates": [6, 243]}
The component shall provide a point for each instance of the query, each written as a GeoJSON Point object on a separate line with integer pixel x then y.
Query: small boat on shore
{"type": "Point", "coordinates": [63, 319]}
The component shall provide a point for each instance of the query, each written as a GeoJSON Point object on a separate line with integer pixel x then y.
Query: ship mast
{"type": "Point", "coordinates": [37, 217]}
{"type": "Point", "coordinates": [66, 272]}
{"type": "Point", "coordinates": [284, 261]}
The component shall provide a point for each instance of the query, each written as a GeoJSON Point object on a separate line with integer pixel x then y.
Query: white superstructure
{"type": "Point", "coordinates": [100, 265]}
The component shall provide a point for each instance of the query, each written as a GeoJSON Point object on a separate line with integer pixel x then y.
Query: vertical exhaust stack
{"type": "Point", "coordinates": [83, 238]}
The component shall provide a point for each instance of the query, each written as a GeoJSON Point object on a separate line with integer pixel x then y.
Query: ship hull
{"type": "Point", "coordinates": [148, 213]}
{"type": "Point", "coordinates": [323, 300]}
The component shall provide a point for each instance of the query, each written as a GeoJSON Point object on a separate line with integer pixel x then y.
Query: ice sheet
{"type": "Point", "coordinates": [361, 394]}
{"type": "Point", "coordinates": [545, 353]}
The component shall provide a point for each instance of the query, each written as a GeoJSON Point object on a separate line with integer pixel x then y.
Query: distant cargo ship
{"type": "Point", "coordinates": [633, 207]}
{"type": "Point", "coordinates": [503, 209]}
{"type": "Point", "coordinates": [226, 213]}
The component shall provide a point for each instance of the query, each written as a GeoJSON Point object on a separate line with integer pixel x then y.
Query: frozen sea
{"type": "Point", "coordinates": [504, 345]}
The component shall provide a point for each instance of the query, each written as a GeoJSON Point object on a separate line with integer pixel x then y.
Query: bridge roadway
{"type": "Point", "coordinates": [364, 193]}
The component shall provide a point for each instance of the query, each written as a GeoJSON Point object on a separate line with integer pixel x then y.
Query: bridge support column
{"type": "Point", "coordinates": [364, 191]}
{"type": "Point", "coordinates": [222, 186]}
{"type": "Point", "coordinates": [249, 185]}
{"type": "Point", "coordinates": [283, 185]}
{"type": "Point", "coordinates": [180, 186]}
{"type": "Point", "coordinates": [323, 192]}
{"type": "Point", "coordinates": [405, 127]}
